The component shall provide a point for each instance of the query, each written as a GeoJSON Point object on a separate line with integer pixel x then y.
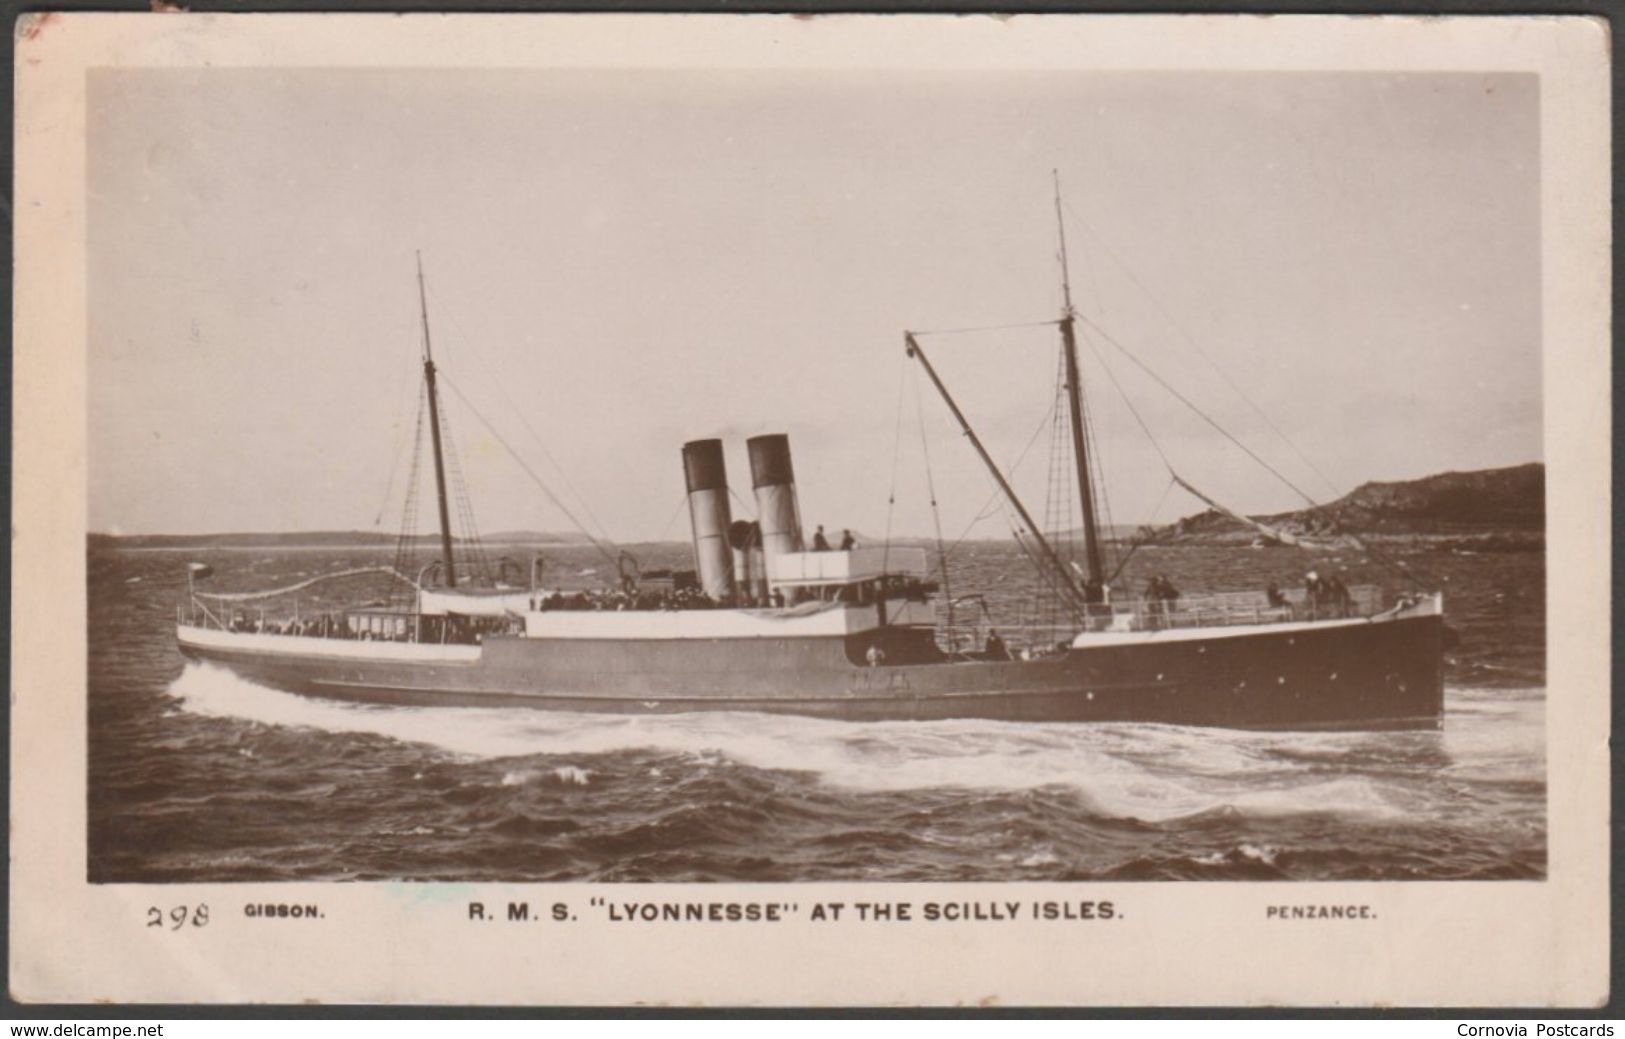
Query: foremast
{"type": "Point", "coordinates": [446, 560]}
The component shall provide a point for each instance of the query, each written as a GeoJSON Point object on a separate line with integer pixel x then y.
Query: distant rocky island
{"type": "Point", "coordinates": [1486, 510]}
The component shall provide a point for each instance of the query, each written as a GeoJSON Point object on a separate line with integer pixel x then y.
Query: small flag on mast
{"type": "Point", "coordinates": [197, 571]}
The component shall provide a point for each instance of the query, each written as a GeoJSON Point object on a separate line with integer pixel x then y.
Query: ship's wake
{"type": "Point", "coordinates": [1152, 773]}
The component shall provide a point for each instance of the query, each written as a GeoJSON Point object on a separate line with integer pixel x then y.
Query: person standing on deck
{"type": "Point", "coordinates": [848, 542]}
{"type": "Point", "coordinates": [996, 649]}
{"type": "Point", "coordinates": [1314, 590]}
{"type": "Point", "coordinates": [1160, 594]}
{"type": "Point", "coordinates": [1167, 593]}
{"type": "Point", "coordinates": [1275, 596]}
{"type": "Point", "coordinates": [820, 542]}
{"type": "Point", "coordinates": [1338, 597]}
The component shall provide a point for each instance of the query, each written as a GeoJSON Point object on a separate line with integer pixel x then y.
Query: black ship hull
{"type": "Point", "coordinates": [1372, 673]}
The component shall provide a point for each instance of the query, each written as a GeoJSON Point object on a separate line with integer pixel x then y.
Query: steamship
{"type": "Point", "coordinates": [765, 623]}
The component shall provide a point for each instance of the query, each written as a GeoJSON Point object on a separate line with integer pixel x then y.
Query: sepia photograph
{"type": "Point", "coordinates": [1068, 483]}
{"type": "Point", "coordinates": [675, 542]}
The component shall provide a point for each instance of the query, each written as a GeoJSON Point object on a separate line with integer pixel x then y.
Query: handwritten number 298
{"type": "Point", "coordinates": [178, 917]}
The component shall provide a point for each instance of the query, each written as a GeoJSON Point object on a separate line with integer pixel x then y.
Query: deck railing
{"type": "Point", "coordinates": [968, 634]}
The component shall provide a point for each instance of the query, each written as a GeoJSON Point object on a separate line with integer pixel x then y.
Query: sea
{"type": "Point", "coordinates": [196, 775]}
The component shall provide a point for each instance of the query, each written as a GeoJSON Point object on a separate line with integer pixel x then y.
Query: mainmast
{"type": "Point", "coordinates": [434, 433]}
{"type": "Point", "coordinates": [1074, 397]}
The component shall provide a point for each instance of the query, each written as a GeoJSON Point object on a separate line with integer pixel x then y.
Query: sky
{"type": "Point", "coordinates": [1340, 269]}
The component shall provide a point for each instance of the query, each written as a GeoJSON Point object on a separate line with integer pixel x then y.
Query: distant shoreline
{"type": "Point", "coordinates": [1487, 510]}
{"type": "Point", "coordinates": [1463, 541]}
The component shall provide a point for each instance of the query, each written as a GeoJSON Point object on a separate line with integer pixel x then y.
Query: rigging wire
{"type": "Point", "coordinates": [1059, 581]}
{"type": "Point", "coordinates": [986, 328]}
{"type": "Point", "coordinates": [1058, 504]}
{"type": "Point", "coordinates": [750, 510]}
{"type": "Point", "coordinates": [611, 556]}
{"type": "Point", "coordinates": [502, 391]}
{"type": "Point", "coordinates": [1144, 428]}
{"type": "Point", "coordinates": [395, 456]}
{"type": "Point", "coordinates": [1314, 506]}
{"type": "Point", "coordinates": [1194, 345]}
{"type": "Point", "coordinates": [1046, 570]}
{"type": "Point", "coordinates": [405, 542]}
{"type": "Point", "coordinates": [896, 455]}
{"type": "Point", "coordinates": [1089, 266]}
{"type": "Point", "coordinates": [931, 491]}
{"type": "Point", "coordinates": [1204, 416]}
{"type": "Point", "coordinates": [988, 508]}
{"type": "Point", "coordinates": [272, 593]}
{"type": "Point", "coordinates": [1095, 486]}
{"type": "Point", "coordinates": [1139, 542]}
{"type": "Point", "coordinates": [672, 518]}
{"type": "Point", "coordinates": [474, 554]}
{"type": "Point", "coordinates": [1097, 481]}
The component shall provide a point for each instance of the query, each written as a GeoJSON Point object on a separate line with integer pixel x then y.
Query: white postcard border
{"type": "Point", "coordinates": [1483, 943]}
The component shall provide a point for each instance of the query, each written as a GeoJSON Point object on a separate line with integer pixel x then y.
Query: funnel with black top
{"type": "Point", "coordinates": [776, 507]}
{"type": "Point", "coordinates": [707, 478]}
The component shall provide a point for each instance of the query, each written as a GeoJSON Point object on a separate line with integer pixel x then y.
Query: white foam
{"type": "Point", "coordinates": [1265, 854]}
{"type": "Point", "coordinates": [1148, 772]}
{"type": "Point", "coordinates": [572, 774]}
{"type": "Point", "coordinates": [567, 774]}
{"type": "Point", "coordinates": [1351, 796]}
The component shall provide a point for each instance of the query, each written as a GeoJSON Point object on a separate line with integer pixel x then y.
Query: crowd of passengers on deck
{"type": "Point", "coordinates": [859, 593]}
{"type": "Point", "coordinates": [325, 626]}
{"type": "Point", "coordinates": [365, 627]}
{"type": "Point", "coordinates": [459, 628]}
{"type": "Point", "coordinates": [647, 599]}
{"type": "Point", "coordinates": [1323, 598]}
